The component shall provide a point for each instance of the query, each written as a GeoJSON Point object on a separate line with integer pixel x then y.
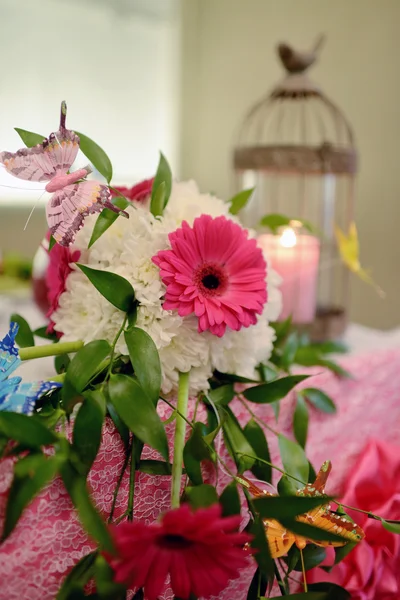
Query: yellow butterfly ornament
{"type": "Point", "coordinates": [350, 254]}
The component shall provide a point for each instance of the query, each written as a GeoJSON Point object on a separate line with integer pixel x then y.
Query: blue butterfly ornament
{"type": "Point", "coordinates": [16, 396]}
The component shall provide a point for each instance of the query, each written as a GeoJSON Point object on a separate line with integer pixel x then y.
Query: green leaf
{"type": "Point", "coordinates": [29, 138]}
{"type": "Point", "coordinates": [275, 221]}
{"type": "Point", "coordinates": [287, 486]}
{"type": "Point", "coordinates": [343, 551]}
{"type": "Point", "coordinates": [194, 452]}
{"type": "Point", "coordinates": [274, 390]}
{"type": "Point", "coordinates": [288, 507]}
{"type": "Point", "coordinates": [300, 421]}
{"type": "Point", "coordinates": [42, 333]}
{"type": "Point", "coordinates": [332, 591]}
{"type": "Point", "coordinates": [313, 556]}
{"type": "Point", "coordinates": [81, 370]}
{"type": "Point", "coordinates": [309, 531]}
{"type": "Point", "coordinates": [138, 412]}
{"type": "Point", "coordinates": [201, 496]}
{"type": "Point", "coordinates": [162, 186]}
{"type": "Point", "coordinates": [392, 526]}
{"type": "Point", "coordinates": [319, 399]}
{"type": "Point", "coordinates": [52, 243]}
{"type": "Point", "coordinates": [236, 441]}
{"type": "Point", "coordinates": [222, 395]}
{"type": "Point", "coordinates": [258, 586]}
{"type": "Point", "coordinates": [119, 424]}
{"type": "Point", "coordinates": [88, 427]}
{"type": "Point", "coordinates": [335, 368]}
{"type": "Point", "coordinates": [240, 200]}
{"type": "Point", "coordinates": [290, 349]}
{"type": "Point", "coordinates": [96, 155]}
{"type": "Point", "coordinates": [49, 416]}
{"type": "Point", "coordinates": [106, 587]}
{"type": "Point", "coordinates": [61, 363]}
{"type": "Point", "coordinates": [260, 543]}
{"type": "Point", "coordinates": [256, 438]}
{"type": "Point", "coordinates": [27, 484]}
{"type": "Point", "coordinates": [79, 575]}
{"type": "Point", "coordinates": [106, 218]}
{"type": "Point", "coordinates": [28, 431]}
{"type": "Point", "coordinates": [76, 487]}
{"type": "Point", "coordinates": [145, 361]}
{"type": "Point", "coordinates": [116, 289]}
{"type": "Point", "coordinates": [230, 500]}
{"type": "Point", "coordinates": [330, 347]}
{"type": "Point", "coordinates": [294, 459]}
{"type": "Point", "coordinates": [154, 467]}
{"type": "Point", "coordinates": [282, 330]}
{"type": "Point", "coordinates": [24, 337]}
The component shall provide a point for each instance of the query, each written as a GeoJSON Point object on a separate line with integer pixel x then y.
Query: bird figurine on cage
{"type": "Point", "coordinates": [298, 62]}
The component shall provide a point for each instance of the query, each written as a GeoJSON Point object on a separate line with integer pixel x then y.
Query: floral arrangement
{"type": "Point", "coordinates": [173, 306]}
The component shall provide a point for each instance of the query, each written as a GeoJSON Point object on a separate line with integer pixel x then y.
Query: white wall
{"type": "Point", "coordinates": [229, 62]}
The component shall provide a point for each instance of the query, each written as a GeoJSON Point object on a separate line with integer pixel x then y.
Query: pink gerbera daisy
{"type": "Point", "coordinates": [200, 551]}
{"type": "Point", "coordinates": [60, 260]}
{"type": "Point", "coordinates": [139, 192]}
{"type": "Point", "coordinates": [214, 271]}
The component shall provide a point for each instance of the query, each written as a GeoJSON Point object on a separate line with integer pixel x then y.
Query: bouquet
{"type": "Point", "coordinates": [162, 314]}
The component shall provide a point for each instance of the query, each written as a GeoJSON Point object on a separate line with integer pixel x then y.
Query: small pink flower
{"type": "Point", "coordinates": [372, 570]}
{"type": "Point", "coordinates": [139, 192]}
{"type": "Point", "coordinates": [214, 271]}
{"type": "Point", "coordinates": [60, 259]}
{"type": "Point", "coordinates": [200, 551]}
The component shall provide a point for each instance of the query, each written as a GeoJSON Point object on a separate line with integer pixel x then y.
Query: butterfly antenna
{"type": "Point", "coordinates": [303, 570]}
{"type": "Point", "coordinates": [31, 213]}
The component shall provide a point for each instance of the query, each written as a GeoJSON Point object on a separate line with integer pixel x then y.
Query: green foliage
{"type": "Point", "coordinates": [257, 440]}
{"type": "Point", "coordinates": [300, 421]}
{"type": "Point", "coordinates": [312, 555]}
{"type": "Point", "coordinates": [96, 155]}
{"type": "Point", "coordinates": [222, 395]}
{"type": "Point", "coordinates": [236, 441]}
{"type": "Point", "coordinates": [24, 337]}
{"type": "Point", "coordinates": [260, 544]}
{"type": "Point", "coordinates": [230, 500]}
{"type": "Point", "coordinates": [78, 577]}
{"type": "Point", "coordinates": [201, 496]}
{"type": "Point", "coordinates": [116, 289]}
{"type": "Point", "coordinates": [392, 526]}
{"type": "Point", "coordinates": [145, 361]}
{"type": "Point", "coordinates": [29, 138]}
{"type": "Point", "coordinates": [88, 427]}
{"type": "Point", "coordinates": [31, 475]}
{"type": "Point", "coordinates": [288, 507]}
{"type": "Point", "coordinates": [319, 399]}
{"type": "Point", "coordinates": [162, 186]}
{"type": "Point", "coordinates": [138, 412]}
{"type": "Point", "coordinates": [194, 452]}
{"type": "Point", "coordinates": [274, 390]}
{"type": "Point", "coordinates": [331, 591]}
{"type": "Point", "coordinates": [294, 459]}
{"type": "Point", "coordinates": [28, 431]}
{"type": "Point", "coordinates": [275, 221]}
{"type": "Point", "coordinates": [106, 218]}
{"type": "Point", "coordinates": [240, 200]}
{"type": "Point", "coordinates": [82, 368]}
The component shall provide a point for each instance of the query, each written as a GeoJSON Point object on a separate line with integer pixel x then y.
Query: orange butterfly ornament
{"type": "Point", "coordinates": [280, 539]}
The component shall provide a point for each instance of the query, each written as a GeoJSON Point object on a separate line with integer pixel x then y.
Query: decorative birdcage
{"type": "Point", "coordinates": [296, 148]}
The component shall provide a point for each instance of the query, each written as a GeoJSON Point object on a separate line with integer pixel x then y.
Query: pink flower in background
{"type": "Point", "coordinates": [60, 259]}
{"type": "Point", "coordinates": [372, 570]}
{"type": "Point", "coordinates": [214, 271]}
{"type": "Point", "coordinates": [200, 551]}
{"type": "Point", "coordinates": [139, 192]}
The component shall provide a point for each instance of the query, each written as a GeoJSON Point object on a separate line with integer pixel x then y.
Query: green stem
{"type": "Point", "coordinates": [272, 466]}
{"type": "Point", "coordinates": [179, 441]}
{"type": "Point", "coordinates": [120, 477]}
{"type": "Point", "coordinates": [113, 349]}
{"type": "Point", "coordinates": [303, 570]}
{"type": "Point", "coordinates": [132, 474]}
{"type": "Point", "coordinates": [50, 350]}
{"type": "Point", "coordinates": [257, 419]}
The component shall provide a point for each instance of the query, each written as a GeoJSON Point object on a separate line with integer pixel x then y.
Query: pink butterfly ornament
{"type": "Point", "coordinates": [74, 197]}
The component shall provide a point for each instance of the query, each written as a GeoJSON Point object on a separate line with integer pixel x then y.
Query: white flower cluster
{"type": "Point", "coordinates": [127, 248]}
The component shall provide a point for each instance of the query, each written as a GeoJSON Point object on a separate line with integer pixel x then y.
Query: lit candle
{"type": "Point", "coordinates": [295, 257]}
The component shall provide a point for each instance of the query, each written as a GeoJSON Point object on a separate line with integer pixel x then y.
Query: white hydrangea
{"type": "Point", "coordinates": [127, 248]}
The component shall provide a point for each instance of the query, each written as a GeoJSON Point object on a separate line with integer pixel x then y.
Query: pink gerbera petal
{"type": "Point", "coordinates": [218, 269]}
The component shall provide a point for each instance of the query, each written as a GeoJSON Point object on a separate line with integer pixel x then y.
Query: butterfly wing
{"type": "Point", "coordinates": [21, 397]}
{"type": "Point", "coordinates": [280, 540]}
{"type": "Point", "coordinates": [68, 207]}
{"type": "Point", "coordinates": [9, 359]}
{"type": "Point", "coordinates": [331, 522]}
{"type": "Point", "coordinates": [53, 156]}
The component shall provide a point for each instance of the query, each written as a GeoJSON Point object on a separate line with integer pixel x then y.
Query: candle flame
{"type": "Point", "coordinates": [288, 238]}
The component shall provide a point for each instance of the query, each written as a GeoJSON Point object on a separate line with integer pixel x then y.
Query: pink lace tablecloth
{"type": "Point", "coordinates": [48, 540]}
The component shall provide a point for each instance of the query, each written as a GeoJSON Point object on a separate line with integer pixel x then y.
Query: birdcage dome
{"type": "Point", "coordinates": [296, 127]}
